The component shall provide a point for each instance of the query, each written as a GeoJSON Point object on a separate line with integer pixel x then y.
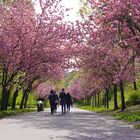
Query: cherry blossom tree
{"type": "Point", "coordinates": [31, 44]}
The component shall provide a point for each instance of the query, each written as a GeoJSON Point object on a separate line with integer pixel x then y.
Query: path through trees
{"type": "Point", "coordinates": [77, 125]}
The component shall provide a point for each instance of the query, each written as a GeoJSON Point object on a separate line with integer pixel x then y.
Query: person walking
{"type": "Point", "coordinates": [63, 100]}
{"type": "Point", "coordinates": [56, 101]}
{"type": "Point", "coordinates": [52, 98]}
{"type": "Point", "coordinates": [69, 101]}
{"type": "Point", "coordinates": [40, 105]}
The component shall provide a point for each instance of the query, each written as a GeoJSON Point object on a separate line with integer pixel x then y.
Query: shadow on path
{"type": "Point", "coordinates": [77, 125]}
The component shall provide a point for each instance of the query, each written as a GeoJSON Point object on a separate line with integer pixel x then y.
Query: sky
{"type": "Point", "coordinates": [74, 4]}
{"type": "Point", "coordinates": [73, 13]}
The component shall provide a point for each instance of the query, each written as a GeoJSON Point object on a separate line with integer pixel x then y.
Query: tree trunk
{"type": "Point", "coordinates": [123, 106]}
{"type": "Point", "coordinates": [105, 103]}
{"type": "Point", "coordinates": [135, 85]}
{"type": "Point", "coordinates": [26, 99]}
{"type": "Point", "coordinates": [22, 100]}
{"type": "Point", "coordinates": [98, 99]}
{"type": "Point", "coordinates": [115, 98]}
{"type": "Point", "coordinates": [107, 98]}
{"type": "Point", "coordinates": [95, 100]}
{"type": "Point", "coordinates": [14, 98]}
{"type": "Point", "coordinates": [5, 99]}
{"type": "Point", "coordinates": [92, 104]}
{"type": "Point", "coordinates": [134, 74]}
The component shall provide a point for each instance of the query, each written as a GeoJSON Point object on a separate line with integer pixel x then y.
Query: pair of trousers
{"type": "Point", "coordinates": [63, 107]}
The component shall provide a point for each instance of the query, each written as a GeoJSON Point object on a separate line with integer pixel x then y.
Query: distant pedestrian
{"type": "Point", "coordinates": [52, 101]}
{"type": "Point", "coordinates": [63, 100]}
{"type": "Point", "coordinates": [69, 101]}
{"type": "Point", "coordinates": [40, 105]}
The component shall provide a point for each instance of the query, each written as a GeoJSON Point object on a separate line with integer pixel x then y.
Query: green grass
{"type": "Point", "coordinates": [130, 117]}
{"type": "Point", "coordinates": [131, 114]}
{"type": "Point", "coordinates": [98, 110]}
{"type": "Point", "coordinates": [15, 112]}
{"type": "Point", "coordinates": [137, 126]}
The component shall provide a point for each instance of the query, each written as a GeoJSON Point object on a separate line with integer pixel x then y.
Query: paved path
{"type": "Point", "coordinates": [77, 125]}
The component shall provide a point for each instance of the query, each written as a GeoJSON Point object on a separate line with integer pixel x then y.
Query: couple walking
{"type": "Point", "coordinates": [65, 101]}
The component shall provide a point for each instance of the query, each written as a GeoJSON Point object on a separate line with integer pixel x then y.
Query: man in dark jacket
{"type": "Point", "coordinates": [63, 100]}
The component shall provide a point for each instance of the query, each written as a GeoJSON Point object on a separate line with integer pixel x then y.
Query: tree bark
{"type": "Point", "coordinates": [95, 100]}
{"type": "Point", "coordinates": [26, 99]}
{"type": "Point", "coordinates": [123, 106]}
{"type": "Point", "coordinates": [98, 99]}
{"type": "Point", "coordinates": [134, 74]}
{"type": "Point", "coordinates": [105, 103]}
{"type": "Point", "coordinates": [107, 98]}
{"type": "Point", "coordinates": [14, 98]}
{"type": "Point", "coordinates": [7, 98]}
{"type": "Point", "coordinates": [3, 100]}
{"type": "Point", "coordinates": [22, 100]}
{"type": "Point", "coordinates": [135, 85]}
{"type": "Point", "coordinates": [115, 98]}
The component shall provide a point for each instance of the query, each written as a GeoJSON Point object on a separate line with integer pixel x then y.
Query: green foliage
{"type": "Point", "coordinates": [46, 103]}
{"type": "Point", "coordinates": [66, 81]}
{"type": "Point", "coordinates": [32, 101]}
{"type": "Point", "coordinates": [19, 98]}
{"type": "Point", "coordinates": [69, 78]}
{"type": "Point", "coordinates": [130, 117]}
{"type": "Point", "coordinates": [95, 109]}
{"type": "Point", "coordinates": [134, 99]}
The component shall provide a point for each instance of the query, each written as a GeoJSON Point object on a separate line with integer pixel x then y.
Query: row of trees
{"type": "Point", "coordinates": [36, 47]}
{"type": "Point", "coordinates": [32, 47]}
{"type": "Point", "coordinates": [109, 53]}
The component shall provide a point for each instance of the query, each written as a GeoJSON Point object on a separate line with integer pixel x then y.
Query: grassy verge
{"type": "Point", "coordinates": [15, 112]}
{"type": "Point", "coordinates": [130, 115]}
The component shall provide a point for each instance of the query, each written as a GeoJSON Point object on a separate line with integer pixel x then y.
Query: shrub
{"type": "Point", "coordinates": [134, 99]}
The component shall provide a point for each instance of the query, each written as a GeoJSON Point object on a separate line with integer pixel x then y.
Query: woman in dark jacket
{"type": "Point", "coordinates": [52, 98]}
{"type": "Point", "coordinates": [69, 101]}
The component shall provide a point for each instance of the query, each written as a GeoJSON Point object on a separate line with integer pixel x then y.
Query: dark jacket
{"type": "Point", "coordinates": [52, 97]}
{"type": "Point", "coordinates": [69, 99]}
{"type": "Point", "coordinates": [63, 97]}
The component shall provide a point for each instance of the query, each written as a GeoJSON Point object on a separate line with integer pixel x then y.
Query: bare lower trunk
{"type": "Point", "coordinates": [123, 106]}
{"type": "Point", "coordinates": [115, 98]}
{"type": "Point", "coordinates": [5, 99]}
{"type": "Point", "coordinates": [135, 85]}
{"type": "Point", "coordinates": [26, 99]}
{"type": "Point", "coordinates": [107, 98]}
{"type": "Point", "coordinates": [98, 100]}
{"type": "Point", "coordinates": [22, 100]}
{"type": "Point", "coordinates": [95, 100]}
{"type": "Point", "coordinates": [14, 98]}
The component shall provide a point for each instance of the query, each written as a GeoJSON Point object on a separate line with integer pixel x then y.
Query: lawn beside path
{"type": "Point", "coordinates": [76, 125]}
